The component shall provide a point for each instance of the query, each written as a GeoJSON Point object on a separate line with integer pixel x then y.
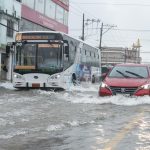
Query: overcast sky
{"type": "Point", "coordinates": [132, 18]}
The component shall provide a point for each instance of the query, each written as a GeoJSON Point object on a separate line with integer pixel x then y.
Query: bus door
{"type": "Point", "coordinates": [3, 66]}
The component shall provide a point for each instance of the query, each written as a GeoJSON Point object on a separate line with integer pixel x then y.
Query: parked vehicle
{"type": "Point", "coordinates": [127, 79]}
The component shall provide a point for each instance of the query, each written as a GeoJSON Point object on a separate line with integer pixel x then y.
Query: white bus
{"type": "Point", "coordinates": [47, 59]}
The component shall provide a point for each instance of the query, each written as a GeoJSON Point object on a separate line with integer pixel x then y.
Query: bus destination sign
{"type": "Point", "coordinates": [20, 37]}
{"type": "Point", "coordinates": [34, 37]}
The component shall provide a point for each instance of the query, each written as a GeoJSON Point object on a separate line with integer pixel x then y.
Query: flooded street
{"type": "Point", "coordinates": [76, 119]}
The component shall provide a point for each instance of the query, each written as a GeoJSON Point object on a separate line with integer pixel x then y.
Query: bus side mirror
{"type": "Point", "coordinates": [7, 50]}
{"type": "Point", "coordinates": [67, 50]}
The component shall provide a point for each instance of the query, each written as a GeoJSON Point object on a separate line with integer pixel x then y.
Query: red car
{"type": "Point", "coordinates": [127, 79]}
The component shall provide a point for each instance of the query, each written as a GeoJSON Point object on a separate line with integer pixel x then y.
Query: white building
{"type": "Point", "coordinates": [10, 14]}
{"type": "Point", "coordinates": [116, 55]}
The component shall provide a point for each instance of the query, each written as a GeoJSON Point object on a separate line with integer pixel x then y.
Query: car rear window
{"type": "Point", "coordinates": [129, 72]}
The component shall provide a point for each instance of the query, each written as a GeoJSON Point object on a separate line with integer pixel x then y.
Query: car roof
{"type": "Point", "coordinates": [133, 64]}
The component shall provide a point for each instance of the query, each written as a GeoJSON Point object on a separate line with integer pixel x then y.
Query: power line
{"type": "Point", "coordinates": [119, 40]}
{"type": "Point", "coordinates": [116, 4]}
{"type": "Point", "coordinates": [119, 29]}
{"type": "Point", "coordinates": [133, 30]}
{"type": "Point", "coordinates": [77, 11]}
{"type": "Point", "coordinates": [82, 10]}
{"type": "Point", "coordinates": [144, 52]}
{"type": "Point", "coordinates": [127, 38]}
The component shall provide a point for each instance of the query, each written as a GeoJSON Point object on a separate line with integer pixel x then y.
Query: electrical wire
{"type": "Point", "coordinates": [119, 29]}
{"type": "Point", "coordinates": [82, 10]}
{"type": "Point", "coordinates": [116, 4]}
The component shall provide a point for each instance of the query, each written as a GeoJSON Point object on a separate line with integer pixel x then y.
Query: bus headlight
{"type": "Point", "coordinates": [18, 76]}
{"type": "Point", "coordinates": [56, 76]}
{"type": "Point", "coordinates": [145, 87]}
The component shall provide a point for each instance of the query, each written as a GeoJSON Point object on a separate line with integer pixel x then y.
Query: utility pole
{"type": "Point", "coordinates": [125, 56]}
{"type": "Point", "coordinates": [83, 28]}
{"type": "Point", "coordinates": [86, 23]}
{"type": "Point", "coordinates": [101, 33]}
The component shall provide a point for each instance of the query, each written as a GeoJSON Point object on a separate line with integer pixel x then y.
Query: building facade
{"type": "Point", "coordinates": [44, 15]}
{"type": "Point", "coordinates": [10, 14]}
{"type": "Point", "coordinates": [28, 15]}
{"type": "Point", "coordinates": [116, 55]}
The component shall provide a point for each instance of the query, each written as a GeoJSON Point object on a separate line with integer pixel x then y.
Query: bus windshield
{"type": "Point", "coordinates": [39, 56]}
{"type": "Point", "coordinates": [49, 56]}
{"type": "Point", "coordinates": [25, 55]}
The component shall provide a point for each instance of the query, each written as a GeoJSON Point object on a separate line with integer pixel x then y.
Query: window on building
{"type": "Point", "coordinates": [10, 26]}
{"type": "Point", "coordinates": [59, 14]}
{"type": "Point", "coordinates": [65, 17]}
{"type": "Point", "coordinates": [50, 9]}
{"type": "Point", "coordinates": [18, 0]}
{"type": "Point", "coordinates": [29, 3]}
{"type": "Point", "coordinates": [39, 6]}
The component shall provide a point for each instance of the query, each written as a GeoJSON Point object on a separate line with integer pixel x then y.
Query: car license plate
{"type": "Point", "coordinates": [126, 95]}
{"type": "Point", "coordinates": [35, 85]}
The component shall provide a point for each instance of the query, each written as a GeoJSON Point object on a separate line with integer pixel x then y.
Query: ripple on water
{"type": "Point", "coordinates": [68, 124]}
{"type": "Point", "coordinates": [4, 122]}
{"type": "Point", "coordinates": [12, 134]}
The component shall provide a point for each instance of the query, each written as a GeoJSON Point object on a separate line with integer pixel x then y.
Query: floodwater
{"type": "Point", "coordinates": [76, 119]}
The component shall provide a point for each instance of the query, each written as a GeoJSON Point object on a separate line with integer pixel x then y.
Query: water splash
{"type": "Point", "coordinates": [7, 85]}
{"type": "Point", "coordinates": [95, 99]}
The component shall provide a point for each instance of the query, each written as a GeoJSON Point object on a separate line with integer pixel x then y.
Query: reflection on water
{"type": "Point", "coordinates": [144, 134]}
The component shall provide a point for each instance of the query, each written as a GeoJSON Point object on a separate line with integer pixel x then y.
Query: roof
{"type": "Point", "coordinates": [38, 32]}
